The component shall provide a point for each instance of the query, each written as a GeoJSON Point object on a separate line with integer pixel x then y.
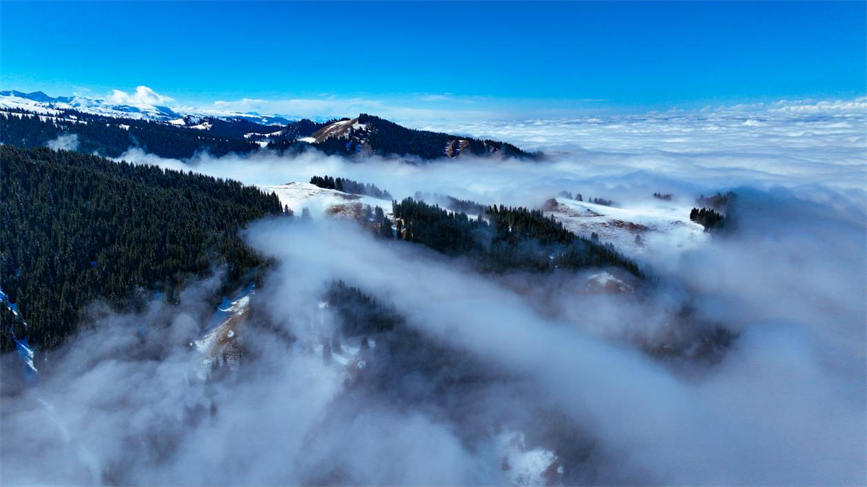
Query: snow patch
{"type": "Point", "coordinates": [652, 228]}
{"type": "Point", "coordinates": [320, 201]}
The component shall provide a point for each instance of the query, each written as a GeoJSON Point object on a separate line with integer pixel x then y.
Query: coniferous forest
{"type": "Point", "coordinates": [350, 186]}
{"type": "Point", "coordinates": [708, 218]}
{"type": "Point", "coordinates": [77, 227]}
{"type": "Point", "coordinates": [511, 238]}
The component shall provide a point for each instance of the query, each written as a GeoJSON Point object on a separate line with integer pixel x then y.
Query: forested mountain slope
{"type": "Point", "coordinates": [75, 227]}
{"type": "Point", "coordinates": [368, 134]}
{"type": "Point", "coordinates": [35, 119]}
{"type": "Point", "coordinates": [505, 238]}
{"type": "Point", "coordinates": [111, 137]}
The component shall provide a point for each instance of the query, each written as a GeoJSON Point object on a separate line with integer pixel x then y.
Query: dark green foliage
{"type": "Point", "coordinates": [454, 204]}
{"type": "Point", "coordinates": [350, 186]}
{"type": "Point", "coordinates": [707, 218]}
{"type": "Point", "coordinates": [286, 146]}
{"type": "Point", "coordinates": [236, 127]}
{"type": "Point", "coordinates": [391, 138]}
{"type": "Point", "coordinates": [111, 136]}
{"type": "Point", "coordinates": [382, 224]}
{"type": "Point", "coordinates": [287, 139]}
{"type": "Point", "coordinates": [77, 227]}
{"type": "Point", "coordinates": [514, 238]}
{"type": "Point", "coordinates": [718, 201]}
{"type": "Point", "coordinates": [600, 201]}
{"type": "Point", "coordinates": [105, 136]}
{"type": "Point", "coordinates": [303, 128]}
{"type": "Point", "coordinates": [465, 206]}
{"type": "Point", "coordinates": [358, 313]}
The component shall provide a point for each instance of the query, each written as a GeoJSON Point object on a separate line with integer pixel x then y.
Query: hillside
{"type": "Point", "coordinates": [504, 238]}
{"type": "Point", "coordinates": [78, 227]}
{"type": "Point", "coordinates": [368, 134]}
{"type": "Point", "coordinates": [111, 137]}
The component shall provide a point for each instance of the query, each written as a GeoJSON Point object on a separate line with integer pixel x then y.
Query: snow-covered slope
{"type": "Point", "coordinates": [219, 344]}
{"type": "Point", "coordinates": [342, 129]}
{"type": "Point", "coordinates": [653, 228]}
{"type": "Point", "coordinates": [140, 107]}
{"type": "Point", "coordinates": [323, 202]}
{"type": "Point", "coordinates": [20, 103]}
{"type": "Point", "coordinates": [41, 103]}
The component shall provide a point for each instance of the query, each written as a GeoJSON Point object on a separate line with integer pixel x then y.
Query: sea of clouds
{"type": "Point", "coordinates": [562, 369]}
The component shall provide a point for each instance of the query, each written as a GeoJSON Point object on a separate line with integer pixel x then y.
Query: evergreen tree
{"type": "Point", "coordinates": [77, 227]}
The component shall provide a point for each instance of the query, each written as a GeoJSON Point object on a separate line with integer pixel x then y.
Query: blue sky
{"type": "Point", "coordinates": [545, 56]}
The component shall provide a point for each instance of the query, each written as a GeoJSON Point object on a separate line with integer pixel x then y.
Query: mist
{"type": "Point", "coordinates": [815, 146]}
{"type": "Point", "coordinates": [547, 373]}
{"type": "Point", "coordinates": [64, 142]}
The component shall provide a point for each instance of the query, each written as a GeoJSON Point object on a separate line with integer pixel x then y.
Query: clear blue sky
{"type": "Point", "coordinates": [627, 54]}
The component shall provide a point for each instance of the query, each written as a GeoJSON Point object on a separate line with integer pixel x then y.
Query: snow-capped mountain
{"type": "Point", "coordinates": [145, 105]}
{"type": "Point", "coordinates": [39, 101]}
{"type": "Point", "coordinates": [111, 125]}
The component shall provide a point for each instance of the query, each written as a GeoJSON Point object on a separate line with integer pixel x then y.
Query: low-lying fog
{"type": "Point", "coordinates": [563, 388]}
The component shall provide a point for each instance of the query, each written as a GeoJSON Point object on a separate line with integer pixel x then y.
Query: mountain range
{"type": "Point", "coordinates": [109, 129]}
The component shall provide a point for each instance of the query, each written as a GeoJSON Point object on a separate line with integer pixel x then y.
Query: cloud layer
{"type": "Point", "coordinates": [555, 370]}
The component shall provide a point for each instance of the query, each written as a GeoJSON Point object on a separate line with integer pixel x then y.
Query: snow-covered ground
{"type": "Point", "coordinates": [651, 229]}
{"type": "Point", "coordinates": [648, 231]}
{"type": "Point", "coordinates": [144, 105]}
{"type": "Point", "coordinates": [321, 201]}
{"type": "Point", "coordinates": [91, 105]}
{"type": "Point", "coordinates": [16, 102]}
{"type": "Point", "coordinates": [341, 129]}
{"type": "Point", "coordinates": [219, 345]}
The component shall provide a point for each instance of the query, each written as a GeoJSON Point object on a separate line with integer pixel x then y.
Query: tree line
{"type": "Point", "coordinates": [501, 239]}
{"type": "Point", "coordinates": [708, 218]}
{"type": "Point", "coordinates": [350, 186]}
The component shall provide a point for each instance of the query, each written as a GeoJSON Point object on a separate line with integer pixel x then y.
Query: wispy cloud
{"type": "Point", "coordinates": [404, 108]}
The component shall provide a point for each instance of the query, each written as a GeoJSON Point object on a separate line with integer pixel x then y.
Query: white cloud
{"type": "Point", "coordinates": [785, 405]}
{"type": "Point", "coordinates": [728, 147]}
{"type": "Point", "coordinates": [142, 96]}
{"type": "Point", "coordinates": [64, 142]}
{"type": "Point", "coordinates": [400, 109]}
{"type": "Point", "coordinates": [526, 120]}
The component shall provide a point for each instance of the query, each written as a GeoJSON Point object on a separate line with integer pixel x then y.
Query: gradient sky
{"type": "Point", "coordinates": [609, 55]}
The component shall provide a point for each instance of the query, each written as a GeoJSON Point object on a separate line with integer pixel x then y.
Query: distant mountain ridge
{"type": "Point", "coordinates": [34, 119]}
{"type": "Point", "coordinates": [369, 134]}
{"type": "Point", "coordinates": [37, 96]}
{"type": "Point", "coordinates": [139, 110]}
